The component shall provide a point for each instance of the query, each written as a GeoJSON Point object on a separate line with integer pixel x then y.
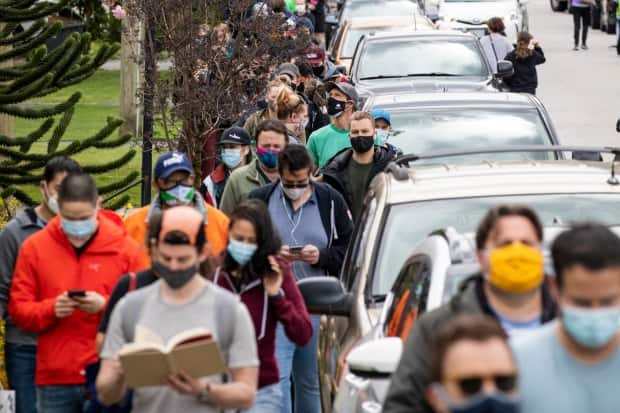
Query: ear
{"type": "Point", "coordinates": [553, 289]}
{"type": "Point", "coordinates": [431, 397]}
{"type": "Point", "coordinates": [99, 204]}
{"type": "Point", "coordinates": [42, 186]}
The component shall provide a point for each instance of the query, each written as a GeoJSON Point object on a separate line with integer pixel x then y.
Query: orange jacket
{"type": "Point", "coordinates": [46, 267]}
{"type": "Point", "coordinates": [216, 228]}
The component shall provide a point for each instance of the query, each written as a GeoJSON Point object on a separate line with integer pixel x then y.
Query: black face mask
{"type": "Point", "coordinates": [174, 278]}
{"type": "Point", "coordinates": [318, 70]}
{"type": "Point", "coordinates": [335, 106]}
{"type": "Point", "coordinates": [262, 104]}
{"type": "Point", "coordinates": [362, 144]}
{"type": "Point", "coordinates": [301, 87]}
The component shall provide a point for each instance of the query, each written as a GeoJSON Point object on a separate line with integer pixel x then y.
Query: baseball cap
{"type": "Point", "coordinates": [235, 135]}
{"type": "Point", "coordinates": [183, 219]}
{"type": "Point", "coordinates": [381, 114]}
{"type": "Point", "coordinates": [289, 69]}
{"type": "Point", "coordinates": [304, 22]}
{"type": "Point", "coordinates": [345, 88]}
{"type": "Point", "coordinates": [315, 55]}
{"type": "Point", "coordinates": [171, 162]}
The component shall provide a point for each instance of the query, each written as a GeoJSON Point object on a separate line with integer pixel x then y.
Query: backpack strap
{"type": "Point", "coordinates": [132, 310]}
{"type": "Point", "coordinates": [132, 281]}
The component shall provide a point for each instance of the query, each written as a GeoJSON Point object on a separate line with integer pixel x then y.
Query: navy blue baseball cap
{"type": "Point", "coordinates": [172, 162]}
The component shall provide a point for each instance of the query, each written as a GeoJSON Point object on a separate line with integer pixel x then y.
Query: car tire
{"type": "Point", "coordinates": [559, 5]}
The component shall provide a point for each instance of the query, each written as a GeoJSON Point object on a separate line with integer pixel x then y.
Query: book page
{"type": "Point", "coordinates": [195, 334]}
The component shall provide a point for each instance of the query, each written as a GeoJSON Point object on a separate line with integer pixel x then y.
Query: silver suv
{"type": "Point", "coordinates": [405, 204]}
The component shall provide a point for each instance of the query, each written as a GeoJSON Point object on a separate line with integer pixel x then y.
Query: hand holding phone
{"type": "Point", "coordinates": [76, 293]}
{"type": "Point", "coordinates": [295, 249]}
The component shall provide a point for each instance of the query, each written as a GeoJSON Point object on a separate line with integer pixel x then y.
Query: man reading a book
{"type": "Point", "coordinates": [179, 302]}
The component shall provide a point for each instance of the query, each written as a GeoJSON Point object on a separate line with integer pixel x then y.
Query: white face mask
{"type": "Point", "coordinates": [300, 9]}
{"type": "Point", "coordinates": [293, 193]}
{"type": "Point", "coordinates": [51, 202]}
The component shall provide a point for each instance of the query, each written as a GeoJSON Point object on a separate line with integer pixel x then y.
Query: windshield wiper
{"type": "Point", "coordinates": [429, 74]}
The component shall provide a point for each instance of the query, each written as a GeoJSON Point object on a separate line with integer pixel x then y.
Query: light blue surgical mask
{"type": "Point", "coordinates": [231, 157]}
{"type": "Point", "coordinates": [80, 229]}
{"type": "Point", "coordinates": [591, 328]}
{"type": "Point", "coordinates": [241, 252]}
{"type": "Point", "coordinates": [382, 136]}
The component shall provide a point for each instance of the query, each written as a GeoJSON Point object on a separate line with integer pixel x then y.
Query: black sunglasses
{"type": "Point", "coordinates": [292, 186]}
{"type": "Point", "coordinates": [505, 383]}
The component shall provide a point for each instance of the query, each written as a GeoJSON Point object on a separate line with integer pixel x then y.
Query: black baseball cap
{"type": "Point", "coordinates": [235, 135]}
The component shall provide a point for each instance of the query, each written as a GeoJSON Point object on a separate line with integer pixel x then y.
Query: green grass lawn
{"type": "Point", "coordinates": [100, 100]}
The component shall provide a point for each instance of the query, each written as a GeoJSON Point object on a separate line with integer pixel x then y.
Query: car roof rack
{"type": "Point", "coordinates": [582, 151]}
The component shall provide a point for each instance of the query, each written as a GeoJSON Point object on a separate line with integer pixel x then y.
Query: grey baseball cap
{"type": "Point", "coordinates": [346, 88]}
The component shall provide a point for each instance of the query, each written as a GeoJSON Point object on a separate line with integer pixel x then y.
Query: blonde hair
{"type": "Point", "coordinates": [288, 103]}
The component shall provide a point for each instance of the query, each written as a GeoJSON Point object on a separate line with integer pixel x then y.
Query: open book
{"type": "Point", "coordinates": [193, 351]}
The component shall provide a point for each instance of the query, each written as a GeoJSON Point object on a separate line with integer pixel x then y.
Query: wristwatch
{"type": "Point", "coordinates": [204, 396]}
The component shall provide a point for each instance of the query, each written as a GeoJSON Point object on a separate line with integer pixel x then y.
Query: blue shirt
{"type": "Point", "coordinates": [512, 327]}
{"type": "Point", "coordinates": [552, 380]}
{"type": "Point", "coordinates": [302, 227]}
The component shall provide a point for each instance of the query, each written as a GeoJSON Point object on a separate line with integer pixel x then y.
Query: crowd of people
{"type": "Point", "coordinates": [78, 282]}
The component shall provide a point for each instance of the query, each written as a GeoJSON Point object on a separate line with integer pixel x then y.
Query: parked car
{"type": "Point", "coordinates": [349, 33]}
{"type": "Point", "coordinates": [428, 60]}
{"type": "Point", "coordinates": [425, 122]}
{"type": "Point", "coordinates": [404, 205]}
{"type": "Point", "coordinates": [431, 276]}
{"type": "Point", "coordinates": [473, 15]}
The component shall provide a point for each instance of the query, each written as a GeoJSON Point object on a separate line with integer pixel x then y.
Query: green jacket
{"type": "Point", "coordinates": [240, 183]}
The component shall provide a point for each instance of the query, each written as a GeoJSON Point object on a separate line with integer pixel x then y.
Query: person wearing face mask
{"type": "Point", "coordinates": [329, 140]}
{"type": "Point", "coordinates": [234, 146]}
{"type": "Point", "coordinates": [63, 276]}
{"type": "Point", "coordinates": [173, 181]}
{"type": "Point", "coordinates": [315, 225]}
{"type": "Point", "coordinates": [511, 288]}
{"type": "Point", "coordinates": [181, 300]}
{"type": "Point", "coordinates": [292, 111]}
{"type": "Point", "coordinates": [573, 364]}
{"type": "Point", "coordinates": [263, 280]}
{"type": "Point", "coordinates": [322, 67]}
{"type": "Point", "coordinates": [383, 125]}
{"type": "Point", "coordinates": [271, 138]}
{"type": "Point", "coordinates": [351, 171]}
{"type": "Point", "coordinates": [472, 368]}
{"type": "Point", "coordinates": [266, 106]}
{"type": "Point", "coordinates": [20, 346]}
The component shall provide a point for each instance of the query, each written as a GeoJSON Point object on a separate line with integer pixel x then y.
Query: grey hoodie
{"type": "Point", "coordinates": [12, 237]}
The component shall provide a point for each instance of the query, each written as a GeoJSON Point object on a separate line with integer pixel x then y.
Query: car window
{"type": "Point", "coordinates": [403, 58]}
{"type": "Point", "coordinates": [409, 299]}
{"type": "Point", "coordinates": [359, 242]}
{"type": "Point", "coordinates": [354, 35]}
{"type": "Point", "coordinates": [427, 130]}
{"type": "Point", "coordinates": [377, 8]}
{"type": "Point", "coordinates": [408, 224]}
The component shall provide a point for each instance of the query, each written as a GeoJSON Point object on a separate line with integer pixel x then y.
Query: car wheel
{"type": "Point", "coordinates": [559, 5]}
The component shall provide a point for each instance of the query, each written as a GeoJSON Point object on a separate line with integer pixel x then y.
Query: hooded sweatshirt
{"type": "Point", "coordinates": [266, 312]}
{"type": "Point", "coordinates": [47, 266]}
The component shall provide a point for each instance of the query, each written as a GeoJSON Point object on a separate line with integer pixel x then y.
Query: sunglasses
{"type": "Point", "coordinates": [293, 186]}
{"type": "Point", "coordinates": [470, 386]}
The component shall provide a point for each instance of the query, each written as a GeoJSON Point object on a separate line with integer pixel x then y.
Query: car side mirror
{"type": "Point", "coordinates": [326, 295]}
{"type": "Point", "coordinates": [618, 125]}
{"type": "Point", "coordinates": [504, 69]}
{"type": "Point", "coordinates": [376, 358]}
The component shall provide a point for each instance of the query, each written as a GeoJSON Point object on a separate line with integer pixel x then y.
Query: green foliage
{"type": "Point", "coordinates": [35, 73]}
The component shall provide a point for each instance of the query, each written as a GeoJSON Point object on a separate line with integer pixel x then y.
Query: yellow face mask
{"type": "Point", "coordinates": [516, 268]}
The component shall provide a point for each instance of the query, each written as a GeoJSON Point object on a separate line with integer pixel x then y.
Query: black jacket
{"type": "Point", "coordinates": [412, 377]}
{"type": "Point", "coordinates": [335, 171]}
{"type": "Point", "coordinates": [336, 220]}
{"type": "Point", "coordinates": [525, 78]}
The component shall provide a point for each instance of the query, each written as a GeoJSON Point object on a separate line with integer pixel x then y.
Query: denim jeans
{"type": "Point", "coordinates": [20, 361]}
{"type": "Point", "coordinates": [268, 400]}
{"type": "Point", "coordinates": [301, 364]}
{"type": "Point", "coordinates": [68, 398]}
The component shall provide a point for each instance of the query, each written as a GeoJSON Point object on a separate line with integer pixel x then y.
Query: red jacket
{"type": "Point", "coordinates": [290, 310]}
{"type": "Point", "coordinates": [46, 267]}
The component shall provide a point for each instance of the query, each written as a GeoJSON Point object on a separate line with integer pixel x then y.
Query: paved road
{"type": "Point", "coordinates": [580, 89]}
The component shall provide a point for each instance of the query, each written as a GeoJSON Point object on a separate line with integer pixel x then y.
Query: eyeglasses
{"type": "Point", "coordinates": [296, 185]}
{"type": "Point", "coordinates": [171, 183]}
{"type": "Point", "coordinates": [470, 386]}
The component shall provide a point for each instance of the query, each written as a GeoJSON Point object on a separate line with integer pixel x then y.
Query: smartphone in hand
{"type": "Point", "coordinates": [76, 293]}
{"type": "Point", "coordinates": [295, 249]}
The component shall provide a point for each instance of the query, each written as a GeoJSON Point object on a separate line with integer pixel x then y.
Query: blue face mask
{"type": "Point", "coordinates": [231, 157]}
{"type": "Point", "coordinates": [486, 403]}
{"type": "Point", "coordinates": [80, 229]}
{"type": "Point", "coordinates": [267, 157]}
{"type": "Point", "coordinates": [591, 328]}
{"type": "Point", "coordinates": [382, 137]}
{"type": "Point", "coordinates": [241, 252]}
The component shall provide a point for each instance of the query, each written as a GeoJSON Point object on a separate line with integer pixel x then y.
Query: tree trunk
{"type": "Point", "coordinates": [131, 72]}
{"type": "Point", "coordinates": [6, 121]}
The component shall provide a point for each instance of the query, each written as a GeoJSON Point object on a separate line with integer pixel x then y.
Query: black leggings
{"type": "Point", "coordinates": [581, 14]}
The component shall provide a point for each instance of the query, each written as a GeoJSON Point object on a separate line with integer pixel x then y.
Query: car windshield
{"type": "Point", "coordinates": [407, 224]}
{"type": "Point", "coordinates": [407, 58]}
{"type": "Point", "coordinates": [430, 130]}
{"type": "Point", "coordinates": [375, 8]}
{"type": "Point", "coordinates": [354, 34]}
